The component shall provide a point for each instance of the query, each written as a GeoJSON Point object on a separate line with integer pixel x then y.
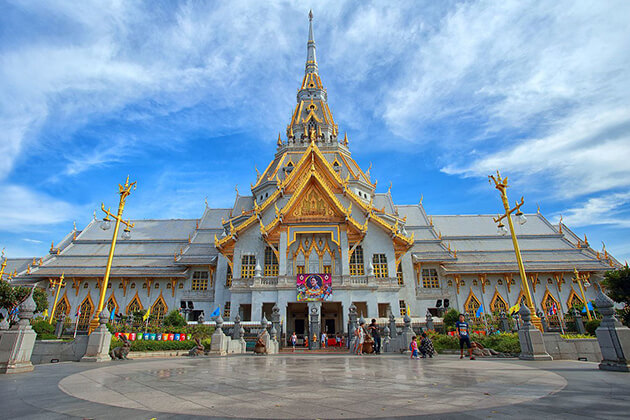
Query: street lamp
{"type": "Point", "coordinates": [124, 191]}
{"type": "Point", "coordinates": [59, 283]}
{"type": "Point", "coordinates": [584, 279]}
{"type": "Point", "coordinates": [502, 185]}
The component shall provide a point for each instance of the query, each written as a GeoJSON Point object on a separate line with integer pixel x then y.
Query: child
{"type": "Point", "coordinates": [414, 348]}
{"type": "Point", "coordinates": [293, 340]}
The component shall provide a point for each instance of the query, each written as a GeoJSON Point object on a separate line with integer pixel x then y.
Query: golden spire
{"type": "Point", "coordinates": [279, 140]}
{"type": "Point", "coordinates": [345, 139]}
{"type": "Point", "coordinates": [52, 246]}
{"type": "Point", "coordinates": [257, 172]}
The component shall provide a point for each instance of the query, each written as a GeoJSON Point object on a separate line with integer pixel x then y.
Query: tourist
{"type": "Point", "coordinates": [461, 327]}
{"type": "Point", "coordinates": [359, 333]}
{"type": "Point", "coordinates": [413, 346]}
{"type": "Point", "coordinates": [338, 340]}
{"type": "Point", "coordinates": [376, 335]}
{"type": "Point", "coordinates": [324, 339]}
{"type": "Point", "coordinates": [426, 346]}
{"type": "Point", "coordinates": [293, 340]}
{"type": "Point", "coordinates": [305, 340]}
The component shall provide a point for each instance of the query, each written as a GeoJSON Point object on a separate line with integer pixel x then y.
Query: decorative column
{"type": "Point", "coordinates": [612, 336]}
{"type": "Point", "coordinates": [220, 342]}
{"type": "Point", "coordinates": [99, 340]}
{"type": "Point", "coordinates": [531, 338]}
{"type": "Point", "coordinates": [352, 324]}
{"type": "Point", "coordinates": [406, 335]}
{"type": "Point", "coordinates": [314, 309]}
{"type": "Point", "coordinates": [275, 318]}
{"type": "Point", "coordinates": [16, 344]}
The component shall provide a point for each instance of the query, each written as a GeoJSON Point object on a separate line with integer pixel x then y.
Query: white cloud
{"type": "Point", "coordinates": [604, 210]}
{"type": "Point", "coordinates": [24, 210]}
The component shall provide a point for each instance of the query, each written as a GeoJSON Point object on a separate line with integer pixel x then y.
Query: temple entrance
{"type": "Point", "coordinates": [297, 320]}
{"type": "Point", "coordinates": [332, 318]}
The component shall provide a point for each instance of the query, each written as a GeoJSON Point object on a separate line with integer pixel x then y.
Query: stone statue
{"type": "Point", "coordinates": [261, 346]}
{"type": "Point", "coordinates": [201, 318]}
{"type": "Point", "coordinates": [198, 350]}
{"type": "Point", "coordinates": [121, 353]}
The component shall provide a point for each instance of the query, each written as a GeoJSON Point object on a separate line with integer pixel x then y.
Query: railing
{"type": "Point", "coordinates": [199, 295]}
{"type": "Point", "coordinates": [338, 282]}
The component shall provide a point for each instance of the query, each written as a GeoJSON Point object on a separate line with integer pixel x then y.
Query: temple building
{"type": "Point", "coordinates": [315, 210]}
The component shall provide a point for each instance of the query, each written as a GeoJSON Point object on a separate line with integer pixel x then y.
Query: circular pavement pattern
{"type": "Point", "coordinates": [311, 386]}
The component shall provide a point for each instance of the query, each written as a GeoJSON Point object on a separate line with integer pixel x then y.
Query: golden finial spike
{"type": "Point", "coordinates": [421, 199]}
{"type": "Point", "coordinates": [389, 190]}
{"type": "Point", "coordinates": [236, 189]}
{"type": "Point", "coordinates": [345, 139]}
{"type": "Point", "coordinates": [279, 140]}
{"type": "Point", "coordinates": [560, 225]}
{"type": "Point", "coordinates": [257, 172]}
{"type": "Point", "coordinates": [537, 208]}
{"type": "Point", "coordinates": [52, 246]}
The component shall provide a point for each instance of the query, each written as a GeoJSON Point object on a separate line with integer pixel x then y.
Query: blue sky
{"type": "Point", "coordinates": [187, 97]}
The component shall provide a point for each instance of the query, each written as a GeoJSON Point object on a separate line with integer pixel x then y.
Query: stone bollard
{"type": "Point", "coordinates": [16, 344]}
{"type": "Point", "coordinates": [59, 326]}
{"type": "Point", "coordinates": [579, 323]}
{"type": "Point", "coordinates": [531, 339]}
{"type": "Point", "coordinates": [236, 331]}
{"type": "Point", "coordinates": [543, 321]}
{"type": "Point", "coordinates": [237, 343]}
{"type": "Point", "coordinates": [612, 336]}
{"type": "Point", "coordinates": [429, 319]}
{"type": "Point", "coordinates": [392, 326]}
{"type": "Point", "coordinates": [406, 335]}
{"type": "Point", "coordinates": [505, 325]}
{"type": "Point", "coordinates": [386, 344]}
{"type": "Point", "coordinates": [99, 341]}
{"type": "Point", "coordinates": [220, 343]}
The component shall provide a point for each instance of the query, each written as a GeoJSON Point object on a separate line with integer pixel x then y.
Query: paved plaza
{"type": "Point", "coordinates": [316, 386]}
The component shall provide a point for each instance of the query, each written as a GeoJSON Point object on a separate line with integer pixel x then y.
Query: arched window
{"type": "Point", "coordinates": [356, 262]}
{"type": "Point", "coordinates": [134, 306]}
{"type": "Point", "coordinates": [472, 305]}
{"type": "Point", "coordinates": [63, 307]}
{"type": "Point", "coordinates": [498, 304]}
{"type": "Point", "coordinates": [271, 263]}
{"type": "Point", "coordinates": [112, 305]}
{"type": "Point", "coordinates": [87, 307]}
{"type": "Point", "coordinates": [158, 310]}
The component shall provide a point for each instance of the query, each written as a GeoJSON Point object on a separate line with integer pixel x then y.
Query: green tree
{"type": "Point", "coordinates": [617, 284]}
{"type": "Point", "coordinates": [174, 319]}
{"type": "Point", "coordinates": [450, 318]}
{"type": "Point", "coordinates": [11, 296]}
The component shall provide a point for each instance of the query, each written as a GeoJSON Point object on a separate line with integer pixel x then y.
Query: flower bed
{"type": "Point", "coordinates": [154, 345]}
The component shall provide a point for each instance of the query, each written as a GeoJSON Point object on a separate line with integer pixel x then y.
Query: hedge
{"type": "Point", "coordinates": [152, 345]}
{"type": "Point", "coordinates": [44, 330]}
{"type": "Point", "coordinates": [504, 343]}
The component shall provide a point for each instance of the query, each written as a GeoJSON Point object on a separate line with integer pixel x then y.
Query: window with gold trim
{"type": "Point", "coordinates": [403, 307]}
{"type": "Point", "coordinates": [158, 310]}
{"type": "Point", "coordinates": [356, 262]}
{"type": "Point", "coordinates": [86, 315]}
{"type": "Point", "coordinates": [430, 279]}
{"type": "Point", "coordinates": [379, 262]}
{"type": "Point", "coordinates": [399, 275]}
{"type": "Point", "coordinates": [200, 280]}
{"type": "Point", "coordinates": [327, 269]}
{"type": "Point", "coordinates": [248, 266]}
{"type": "Point", "coordinates": [271, 263]}
{"type": "Point", "coordinates": [228, 277]}
{"type": "Point", "coordinates": [226, 310]}
{"type": "Point", "coordinates": [300, 269]}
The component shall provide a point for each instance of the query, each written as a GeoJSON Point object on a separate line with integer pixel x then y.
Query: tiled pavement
{"type": "Point", "coordinates": [316, 386]}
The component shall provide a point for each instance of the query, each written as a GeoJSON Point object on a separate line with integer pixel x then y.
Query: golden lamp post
{"type": "Point", "coordinates": [502, 185]}
{"type": "Point", "coordinates": [59, 284]}
{"type": "Point", "coordinates": [106, 224]}
{"type": "Point", "coordinates": [579, 280]}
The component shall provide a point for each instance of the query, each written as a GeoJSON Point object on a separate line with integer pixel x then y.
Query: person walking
{"type": "Point", "coordinates": [413, 346]}
{"type": "Point", "coordinates": [463, 332]}
{"type": "Point", "coordinates": [293, 340]}
{"type": "Point", "coordinates": [324, 340]}
{"type": "Point", "coordinates": [376, 335]}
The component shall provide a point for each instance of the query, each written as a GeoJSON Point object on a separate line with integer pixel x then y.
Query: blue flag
{"type": "Point", "coordinates": [590, 307]}
{"type": "Point", "coordinates": [479, 311]}
{"type": "Point", "coordinates": [111, 316]}
{"type": "Point", "coordinates": [216, 312]}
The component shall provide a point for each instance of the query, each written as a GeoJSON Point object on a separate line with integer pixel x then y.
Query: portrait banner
{"type": "Point", "coordinates": [314, 287]}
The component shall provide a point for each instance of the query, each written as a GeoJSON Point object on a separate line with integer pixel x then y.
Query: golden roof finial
{"type": "Point", "coordinates": [257, 172]}
{"type": "Point", "coordinates": [421, 199]}
{"type": "Point", "coordinates": [236, 189]}
{"type": "Point", "coordinates": [560, 225]}
{"type": "Point", "coordinates": [389, 190]}
{"type": "Point", "coordinates": [345, 139]}
{"type": "Point", "coordinates": [291, 132]}
{"type": "Point", "coordinates": [279, 140]}
{"type": "Point", "coordinates": [537, 208]}
{"type": "Point", "coordinates": [52, 246]}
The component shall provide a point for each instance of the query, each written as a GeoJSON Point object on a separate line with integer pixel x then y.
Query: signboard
{"type": "Point", "coordinates": [314, 287]}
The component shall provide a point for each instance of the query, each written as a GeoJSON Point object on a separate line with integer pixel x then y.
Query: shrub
{"type": "Point", "coordinates": [174, 319]}
{"type": "Point", "coordinates": [592, 325]}
{"type": "Point", "coordinates": [575, 336]}
{"type": "Point", "coordinates": [43, 328]}
{"type": "Point", "coordinates": [504, 343]}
